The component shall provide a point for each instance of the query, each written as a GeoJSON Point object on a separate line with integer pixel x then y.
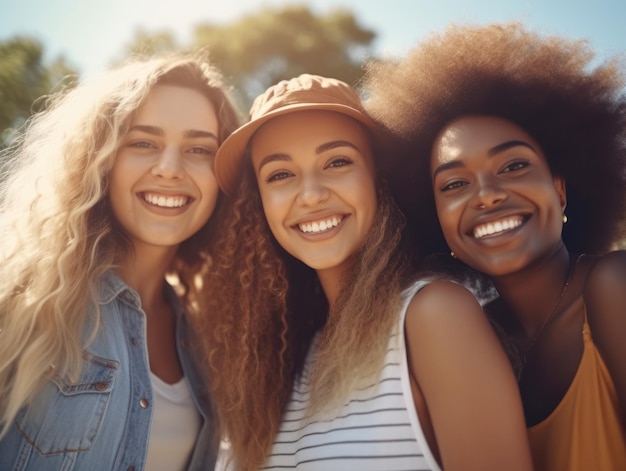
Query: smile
{"type": "Point", "coordinates": [497, 227]}
{"type": "Point", "coordinates": [165, 201]}
{"type": "Point", "coordinates": [315, 227]}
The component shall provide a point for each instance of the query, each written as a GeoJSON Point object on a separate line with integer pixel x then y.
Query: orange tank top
{"type": "Point", "coordinates": [584, 431]}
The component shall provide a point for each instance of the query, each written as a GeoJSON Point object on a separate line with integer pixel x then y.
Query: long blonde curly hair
{"type": "Point", "coordinates": [58, 233]}
{"type": "Point", "coordinates": [265, 307]}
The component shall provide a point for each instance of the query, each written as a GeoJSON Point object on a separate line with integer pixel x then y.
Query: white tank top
{"type": "Point", "coordinates": [378, 428]}
{"type": "Point", "coordinates": [175, 426]}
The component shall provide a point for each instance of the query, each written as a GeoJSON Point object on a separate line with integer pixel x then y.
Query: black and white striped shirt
{"type": "Point", "coordinates": [377, 429]}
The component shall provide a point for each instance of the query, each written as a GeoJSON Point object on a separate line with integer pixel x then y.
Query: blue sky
{"type": "Point", "coordinates": [92, 33]}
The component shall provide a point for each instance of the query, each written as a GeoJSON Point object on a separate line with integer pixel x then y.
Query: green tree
{"type": "Point", "coordinates": [149, 43]}
{"type": "Point", "coordinates": [24, 79]}
{"type": "Point", "coordinates": [275, 44]}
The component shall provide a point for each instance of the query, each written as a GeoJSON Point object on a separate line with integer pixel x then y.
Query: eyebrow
{"type": "Point", "coordinates": [491, 153]}
{"type": "Point", "coordinates": [447, 166]}
{"type": "Point", "coordinates": [333, 145]}
{"type": "Point", "coordinates": [156, 131]}
{"type": "Point", "coordinates": [277, 157]}
{"type": "Point", "coordinates": [507, 145]}
{"type": "Point", "coordinates": [281, 157]}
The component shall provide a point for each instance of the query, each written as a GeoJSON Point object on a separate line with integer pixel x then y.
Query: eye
{"type": "Point", "coordinates": [202, 153]}
{"type": "Point", "coordinates": [142, 145]}
{"type": "Point", "coordinates": [515, 166]}
{"type": "Point", "coordinates": [453, 185]}
{"type": "Point", "coordinates": [339, 162]}
{"type": "Point", "coordinates": [279, 175]}
{"type": "Point", "coordinates": [201, 150]}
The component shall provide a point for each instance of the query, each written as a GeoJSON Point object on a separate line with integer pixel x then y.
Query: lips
{"type": "Point", "coordinates": [165, 201]}
{"type": "Point", "coordinates": [497, 227]}
{"type": "Point", "coordinates": [320, 225]}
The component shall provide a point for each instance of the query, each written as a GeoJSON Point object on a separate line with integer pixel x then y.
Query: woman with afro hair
{"type": "Point", "coordinates": [516, 141]}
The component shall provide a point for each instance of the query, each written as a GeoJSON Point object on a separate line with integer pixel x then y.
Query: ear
{"type": "Point", "coordinates": [559, 185]}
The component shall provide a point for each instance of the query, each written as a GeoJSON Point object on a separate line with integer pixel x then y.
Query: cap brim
{"type": "Point", "coordinates": [229, 157]}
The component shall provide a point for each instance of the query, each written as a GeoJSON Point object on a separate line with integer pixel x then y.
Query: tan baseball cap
{"type": "Point", "coordinates": [305, 92]}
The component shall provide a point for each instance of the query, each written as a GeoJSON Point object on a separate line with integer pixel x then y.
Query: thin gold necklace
{"type": "Point", "coordinates": [548, 318]}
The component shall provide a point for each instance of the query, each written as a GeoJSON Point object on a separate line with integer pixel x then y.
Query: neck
{"type": "Point", "coordinates": [331, 281]}
{"type": "Point", "coordinates": [144, 270]}
{"type": "Point", "coordinates": [534, 292]}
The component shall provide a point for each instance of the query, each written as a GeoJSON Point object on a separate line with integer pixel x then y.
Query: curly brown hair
{"type": "Point", "coordinates": [244, 292]}
{"type": "Point", "coordinates": [554, 88]}
{"type": "Point", "coordinates": [265, 307]}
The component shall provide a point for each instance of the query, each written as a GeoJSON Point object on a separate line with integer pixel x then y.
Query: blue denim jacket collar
{"type": "Point", "coordinates": [112, 287]}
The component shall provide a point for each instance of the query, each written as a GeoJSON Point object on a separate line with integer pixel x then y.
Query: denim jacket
{"type": "Point", "coordinates": [102, 421]}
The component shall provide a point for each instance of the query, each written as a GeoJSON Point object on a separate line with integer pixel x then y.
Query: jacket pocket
{"type": "Point", "coordinates": [66, 416]}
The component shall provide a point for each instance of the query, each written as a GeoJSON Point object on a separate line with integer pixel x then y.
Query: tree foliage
{"type": "Point", "coordinates": [145, 43]}
{"type": "Point", "coordinates": [24, 79]}
{"type": "Point", "coordinates": [253, 52]}
{"type": "Point", "coordinates": [274, 44]}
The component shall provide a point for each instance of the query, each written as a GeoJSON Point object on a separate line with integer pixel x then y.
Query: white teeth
{"type": "Point", "coordinates": [166, 201]}
{"type": "Point", "coordinates": [320, 226]}
{"type": "Point", "coordinates": [497, 227]}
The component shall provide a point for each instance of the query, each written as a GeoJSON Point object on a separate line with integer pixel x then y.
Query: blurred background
{"type": "Point", "coordinates": [49, 45]}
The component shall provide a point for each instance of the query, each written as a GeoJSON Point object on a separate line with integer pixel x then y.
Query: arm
{"type": "Point", "coordinates": [605, 300]}
{"type": "Point", "coordinates": [467, 382]}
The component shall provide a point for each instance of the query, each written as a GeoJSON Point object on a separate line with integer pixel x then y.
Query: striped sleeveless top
{"type": "Point", "coordinates": [377, 429]}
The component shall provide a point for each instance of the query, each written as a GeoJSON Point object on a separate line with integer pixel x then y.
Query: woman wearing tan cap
{"type": "Point", "coordinates": [325, 353]}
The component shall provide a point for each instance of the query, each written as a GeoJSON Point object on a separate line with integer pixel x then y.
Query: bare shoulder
{"type": "Point", "coordinates": [605, 285]}
{"type": "Point", "coordinates": [452, 347]}
{"type": "Point", "coordinates": [441, 302]}
{"type": "Point", "coordinates": [445, 313]}
{"type": "Point", "coordinates": [608, 273]}
{"type": "Point", "coordinates": [604, 297]}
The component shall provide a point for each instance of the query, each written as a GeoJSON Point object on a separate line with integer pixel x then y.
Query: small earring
{"type": "Point", "coordinates": [564, 218]}
{"type": "Point", "coordinates": [452, 254]}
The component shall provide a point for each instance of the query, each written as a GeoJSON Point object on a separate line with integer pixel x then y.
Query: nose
{"type": "Point", "coordinates": [488, 193]}
{"type": "Point", "coordinates": [169, 164]}
{"type": "Point", "coordinates": [311, 191]}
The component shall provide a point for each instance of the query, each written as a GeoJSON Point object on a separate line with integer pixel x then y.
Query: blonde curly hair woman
{"type": "Point", "coordinates": [109, 189]}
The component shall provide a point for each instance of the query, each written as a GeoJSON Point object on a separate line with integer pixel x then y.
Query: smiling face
{"type": "Point", "coordinates": [498, 204]}
{"type": "Point", "coordinates": [316, 178]}
{"type": "Point", "coordinates": [162, 187]}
